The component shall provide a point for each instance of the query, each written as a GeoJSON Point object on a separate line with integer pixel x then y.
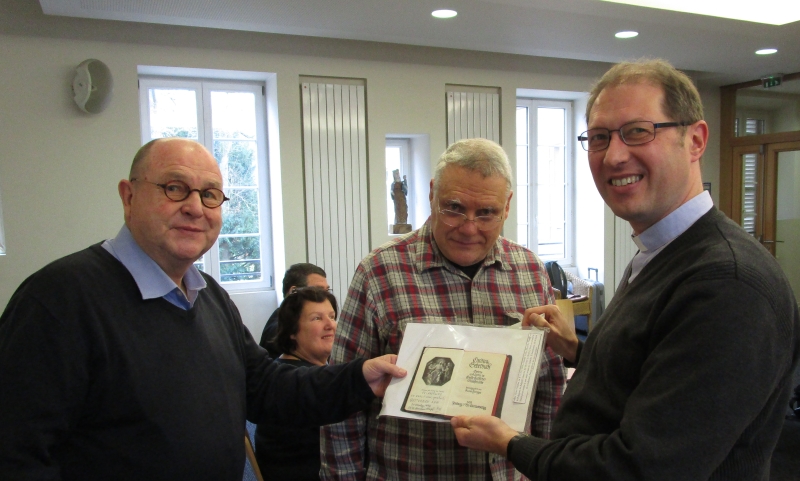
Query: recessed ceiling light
{"type": "Point", "coordinates": [766, 51]}
{"type": "Point", "coordinates": [444, 13]}
{"type": "Point", "coordinates": [626, 34]}
{"type": "Point", "coordinates": [775, 12]}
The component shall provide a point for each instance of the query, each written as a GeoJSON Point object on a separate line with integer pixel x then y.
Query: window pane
{"type": "Point", "coordinates": [238, 162]}
{"type": "Point", "coordinates": [233, 123]}
{"type": "Point", "coordinates": [239, 258]}
{"type": "Point", "coordinates": [233, 114]}
{"type": "Point", "coordinates": [551, 126]}
{"type": "Point", "coordinates": [551, 201]}
{"type": "Point", "coordinates": [173, 113]}
{"type": "Point", "coordinates": [240, 214]}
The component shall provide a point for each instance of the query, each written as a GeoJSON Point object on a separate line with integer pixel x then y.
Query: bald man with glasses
{"type": "Point", "coordinates": [125, 362]}
{"type": "Point", "coordinates": [455, 268]}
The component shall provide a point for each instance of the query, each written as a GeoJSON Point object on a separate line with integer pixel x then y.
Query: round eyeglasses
{"type": "Point", "coordinates": [178, 190]}
{"type": "Point", "coordinates": [457, 219]}
{"type": "Point", "coordinates": [632, 133]}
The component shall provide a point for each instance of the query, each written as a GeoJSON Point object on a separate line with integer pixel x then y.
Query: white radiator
{"type": "Point", "coordinates": [472, 112]}
{"type": "Point", "coordinates": [335, 166]}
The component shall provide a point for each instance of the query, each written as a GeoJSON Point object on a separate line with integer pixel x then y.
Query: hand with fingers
{"type": "Point", "coordinates": [483, 433]}
{"type": "Point", "coordinates": [561, 338]}
{"type": "Point", "coordinates": [379, 371]}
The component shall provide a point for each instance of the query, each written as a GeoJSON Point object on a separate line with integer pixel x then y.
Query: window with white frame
{"type": "Point", "coordinates": [545, 222]}
{"type": "Point", "coordinates": [228, 118]}
{"type": "Point", "coordinates": [398, 152]}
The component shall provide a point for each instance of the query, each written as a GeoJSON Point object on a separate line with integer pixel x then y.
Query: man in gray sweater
{"type": "Point", "coordinates": [688, 373]}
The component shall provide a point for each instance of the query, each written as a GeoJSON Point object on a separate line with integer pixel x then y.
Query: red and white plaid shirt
{"type": "Point", "coordinates": [408, 280]}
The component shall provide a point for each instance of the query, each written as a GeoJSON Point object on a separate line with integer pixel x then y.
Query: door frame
{"type": "Point", "coordinates": [770, 192]}
{"type": "Point", "coordinates": [730, 174]}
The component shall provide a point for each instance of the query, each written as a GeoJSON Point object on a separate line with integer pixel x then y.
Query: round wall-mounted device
{"type": "Point", "coordinates": [92, 86]}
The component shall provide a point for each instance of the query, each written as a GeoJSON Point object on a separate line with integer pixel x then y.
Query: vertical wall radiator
{"type": "Point", "coordinates": [335, 166]}
{"type": "Point", "coordinates": [472, 112]}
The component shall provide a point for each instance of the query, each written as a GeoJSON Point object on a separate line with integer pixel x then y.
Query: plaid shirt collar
{"type": "Point", "coordinates": [430, 257]}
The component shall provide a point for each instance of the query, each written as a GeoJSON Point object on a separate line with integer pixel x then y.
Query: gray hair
{"type": "Point", "coordinates": [476, 155]}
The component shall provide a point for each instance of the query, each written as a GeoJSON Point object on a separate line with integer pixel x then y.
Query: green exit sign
{"type": "Point", "coordinates": [771, 81]}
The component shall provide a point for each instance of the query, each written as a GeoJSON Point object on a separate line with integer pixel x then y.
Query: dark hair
{"type": "Point", "coordinates": [297, 275]}
{"type": "Point", "coordinates": [289, 314]}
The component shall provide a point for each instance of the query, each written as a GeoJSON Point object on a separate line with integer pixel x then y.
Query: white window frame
{"type": "Point", "coordinates": [203, 88]}
{"type": "Point", "coordinates": [533, 104]}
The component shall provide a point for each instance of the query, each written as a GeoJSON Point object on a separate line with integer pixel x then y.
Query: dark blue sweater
{"type": "Point", "coordinates": [98, 384]}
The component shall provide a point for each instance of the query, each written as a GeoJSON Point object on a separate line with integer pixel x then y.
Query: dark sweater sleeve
{"type": "Point", "coordinates": [282, 395]}
{"type": "Point", "coordinates": [577, 355]}
{"type": "Point", "coordinates": [712, 365]}
{"type": "Point", "coordinates": [43, 365]}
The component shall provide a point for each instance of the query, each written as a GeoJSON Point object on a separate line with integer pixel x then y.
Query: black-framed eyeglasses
{"type": "Point", "coordinates": [457, 219]}
{"type": "Point", "coordinates": [633, 133]}
{"type": "Point", "coordinates": [178, 190]}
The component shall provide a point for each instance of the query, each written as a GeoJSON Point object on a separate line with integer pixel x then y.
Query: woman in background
{"type": "Point", "coordinates": [306, 325]}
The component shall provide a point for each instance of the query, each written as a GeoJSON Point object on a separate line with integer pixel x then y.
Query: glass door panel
{"type": "Point", "coordinates": [782, 212]}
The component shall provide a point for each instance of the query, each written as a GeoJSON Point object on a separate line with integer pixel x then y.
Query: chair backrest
{"type": "Point", "coordinates": [565, 306]}
{"type": "Point", "coordinates": [580, 286]}
{"type": "Point", "coordinates": [558, 279]}
{"type": "Point", "coordinates": [251, 470]}
{"type": "Point", "coordinates": [582, 307]}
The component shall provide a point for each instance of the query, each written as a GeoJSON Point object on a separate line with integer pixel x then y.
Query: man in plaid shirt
{"type": "Point", "coordinates": [455, 268]}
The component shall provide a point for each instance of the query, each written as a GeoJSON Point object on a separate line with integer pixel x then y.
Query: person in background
{"type": "Point", "coordinates": [689, 369]}
{"type": "Point", "coordinates": [298, 275]}
{"type": "Point", "coordinates": [455, 268]}
{"type": "Point", "coordinates": [306, 325]}
{"type": "Point", "coordinates": [125, 362]}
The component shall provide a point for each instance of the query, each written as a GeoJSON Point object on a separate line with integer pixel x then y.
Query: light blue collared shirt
{"type": "Point", "coordinates": [153, 282]}
{"type": "Point", "coordinates": [659, 235]}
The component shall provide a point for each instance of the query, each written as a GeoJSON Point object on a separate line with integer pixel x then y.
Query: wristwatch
{"type": "Point", "coordinates": [511, 444]}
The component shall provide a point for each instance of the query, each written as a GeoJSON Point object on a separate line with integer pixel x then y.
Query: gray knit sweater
{"type": "Point", "coordinates": [687, 374]}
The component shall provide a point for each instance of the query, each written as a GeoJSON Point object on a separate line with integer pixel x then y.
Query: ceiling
{"type": "Point", "coordinates": [718, 51]}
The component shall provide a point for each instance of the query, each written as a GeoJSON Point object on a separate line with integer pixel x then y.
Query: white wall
{"type": "Point", "coordinates": [59, 167]}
